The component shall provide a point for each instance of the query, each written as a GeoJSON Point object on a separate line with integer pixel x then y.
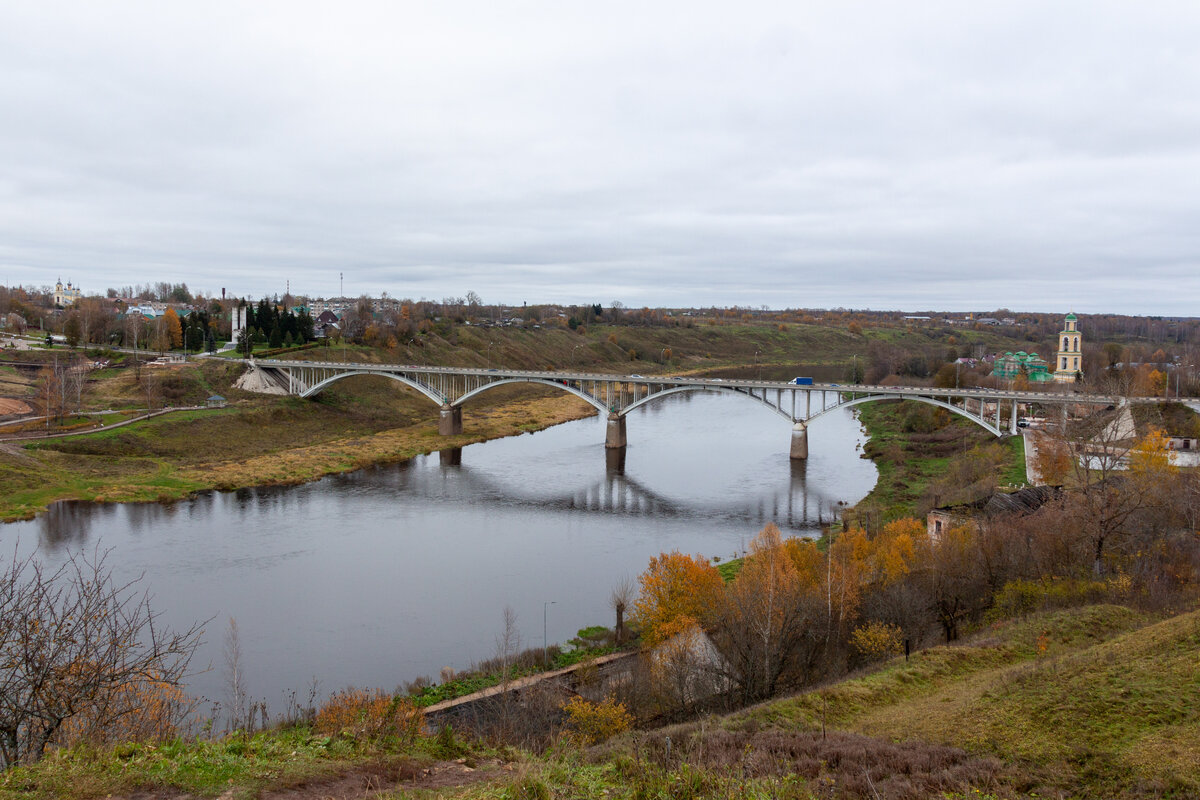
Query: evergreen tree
{"type": "Point", "coordinates": [305, 324]}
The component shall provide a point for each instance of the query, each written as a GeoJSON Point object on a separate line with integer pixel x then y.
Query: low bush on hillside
{"type": "Point", "coordinates": [365, 715]}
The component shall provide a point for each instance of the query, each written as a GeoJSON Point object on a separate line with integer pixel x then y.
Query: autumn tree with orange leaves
{"type": "Point", "coordinates": [675, 586]}
{"type": "Point", "coordinates": [770, 618]}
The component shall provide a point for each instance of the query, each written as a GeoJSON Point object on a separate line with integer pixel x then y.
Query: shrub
{"type": "Point", "coordinates": [596, 722]}
{"type": "Point", "coordinates": [145, 710]}
{"type": "Point", "coordinates": [877, 640]}
{"type": "Point", "coordinates": [367, 715]}
{"type": "Point", "coordinates": [1021, 597]}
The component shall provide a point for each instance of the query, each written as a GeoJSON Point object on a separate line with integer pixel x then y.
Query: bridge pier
{"type": "Point", "coordinates": [450, 421]}
{"type": "Point", "coordinates": [799, 450]}
{"type": "Point", "coordinates": [615, 436]}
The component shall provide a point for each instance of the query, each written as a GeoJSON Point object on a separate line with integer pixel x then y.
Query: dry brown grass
{"type": "Point", "coordinates": [847, 765]}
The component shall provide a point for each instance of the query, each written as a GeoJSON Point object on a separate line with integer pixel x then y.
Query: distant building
{"type": "Point", "coordinates": [147, 310]}
{"type": "Point", "coordinates": [1030, 365]}
{"type": "Point", "coordinates": [1183, 443]}
{"type": "Point", "coordinates": [1069, 360]}
{"type": "Point", "coordinates": [237, 322]}
{"type": "Point", "coordinates": [326, 324]}
{"type": "Point", "coordinates": [66, 295]}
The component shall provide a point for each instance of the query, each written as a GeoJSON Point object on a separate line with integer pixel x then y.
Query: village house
{"type": "Point", "coordinates": [1018, 503]}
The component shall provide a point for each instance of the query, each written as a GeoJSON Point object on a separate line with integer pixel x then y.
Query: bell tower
{"type": "Point", "coordinates": [1068, 361]}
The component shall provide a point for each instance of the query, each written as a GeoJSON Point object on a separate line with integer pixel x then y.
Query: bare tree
{"type": "Point", "coordinates": [74, 380]}
{"type": "Point", "coordinates": [1104, 500]}
{"type": "Point", "coordinates": [622, 595]}
{"type": "Point", "coordinates": [74, 643]}
{"type": "Point", "coordinates": [508, 643]}
{"type": "Point", "coordinates": [235, 681]}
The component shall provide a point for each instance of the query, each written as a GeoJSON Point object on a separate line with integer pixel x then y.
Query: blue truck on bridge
{"type": "Point", "coordinates": [802, 381]}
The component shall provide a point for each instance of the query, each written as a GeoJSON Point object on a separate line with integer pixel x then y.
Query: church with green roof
{"type": "Point", "coordinates": [1014, 365]}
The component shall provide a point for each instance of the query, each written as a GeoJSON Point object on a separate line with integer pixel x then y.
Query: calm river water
{"type": "Point", "coordinates": [375, 577]}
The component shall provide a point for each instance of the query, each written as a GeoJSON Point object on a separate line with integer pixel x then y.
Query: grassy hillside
{"type": "Point", "coordinates": [928, 457]}
{"type": "Point", "coordinates": [775, 349]}
{"type": "Point", "coordinates": [1099, 701]}
{"type": "Point", "coordinates": [1082, 699]}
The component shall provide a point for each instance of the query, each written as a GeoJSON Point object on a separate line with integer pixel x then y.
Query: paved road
{"type": "Point", "coordinates": [13, 343]}
{"type": "Point", "coordinates": [1032, 475]}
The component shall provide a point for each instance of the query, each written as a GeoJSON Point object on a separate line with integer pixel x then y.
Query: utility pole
{"type": "Point", "coordinates": [48, 400]}
{"type": "Point", "coordinates": [545, 643]}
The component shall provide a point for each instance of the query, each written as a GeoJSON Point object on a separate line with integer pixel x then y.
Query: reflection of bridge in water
{"type": "Point", "coordinates": [616, 395]}
{"type": "Point", "coordinates": [795, 505]}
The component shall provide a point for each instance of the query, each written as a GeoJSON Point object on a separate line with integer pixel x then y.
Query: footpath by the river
{"type": "Point", "coordinates": [474, 704]}
{"type": "Point", "coordinates": [35, 436]}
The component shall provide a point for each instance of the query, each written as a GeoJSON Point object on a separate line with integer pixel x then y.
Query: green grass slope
{"type": "Point", "coordinates": [1084, 701]}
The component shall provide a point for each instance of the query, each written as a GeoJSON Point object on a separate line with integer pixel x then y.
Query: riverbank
{"type": "Point", "coordinates": [927, 458]}
{"type": "Point", "coordinates": [259, 442]}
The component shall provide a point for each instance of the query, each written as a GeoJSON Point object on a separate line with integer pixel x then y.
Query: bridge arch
{"type": "Point", "coordinates": [719, 389]}
{"type": "Point", "coordinates": [603, 409]}
{"type": "Point", "coordinates": [317, 388]}
{"type": "Point", "coordinates": [987, 426]}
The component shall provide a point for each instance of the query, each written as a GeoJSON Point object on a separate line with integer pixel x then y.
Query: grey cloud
{"type": "Point", "coordinates": [944, 155]}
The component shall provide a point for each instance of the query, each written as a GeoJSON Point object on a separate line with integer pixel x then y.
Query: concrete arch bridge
{"type": "Point", "coordinates": [994, 410]}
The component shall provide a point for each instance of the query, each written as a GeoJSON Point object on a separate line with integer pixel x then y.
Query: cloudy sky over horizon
{"type": "Point", "coordinates": [936, 155]}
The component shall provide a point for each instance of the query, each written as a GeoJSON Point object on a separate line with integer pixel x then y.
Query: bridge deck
{"type": "Point", "coordinates": [617, 395]}
{"type": "Point", "coordinates": [1058, 395]}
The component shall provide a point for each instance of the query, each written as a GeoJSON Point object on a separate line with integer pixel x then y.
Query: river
{"type": "Point", "coordinates": [378, 576]}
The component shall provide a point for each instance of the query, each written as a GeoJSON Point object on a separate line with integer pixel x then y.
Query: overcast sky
{"type": "Point", "coordinates": [945, 155]}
